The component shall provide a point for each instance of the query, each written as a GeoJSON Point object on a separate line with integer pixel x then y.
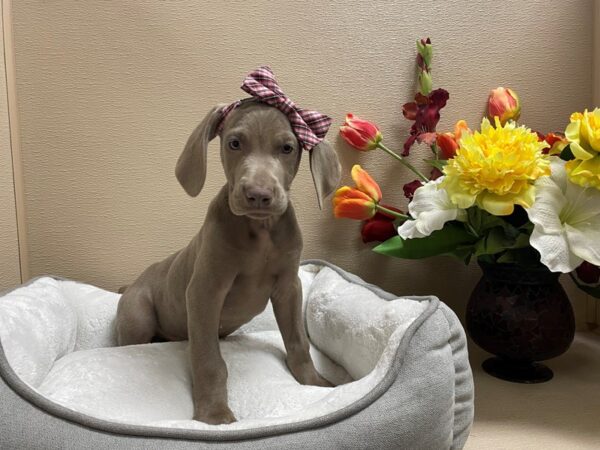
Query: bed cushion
{"type": "Point", "coordinates": [58, 338]}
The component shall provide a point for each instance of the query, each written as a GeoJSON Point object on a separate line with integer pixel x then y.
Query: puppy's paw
{"type": "Point", "coordinates": [318, 380]}
{"type": "Point", "coordinates": [305, 373]}
{"type": "Point", "coordinates": [215, 416]}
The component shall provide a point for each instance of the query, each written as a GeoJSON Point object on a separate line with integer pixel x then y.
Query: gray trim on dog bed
{"type": "Point", "coordinates": [288, 435]}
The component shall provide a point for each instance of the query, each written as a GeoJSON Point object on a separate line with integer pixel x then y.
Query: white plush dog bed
{"type": "Point", "coordinates": [58, 340]}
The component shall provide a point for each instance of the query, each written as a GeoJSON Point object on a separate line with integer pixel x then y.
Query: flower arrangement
{"type": "Point", "coordinates": [501, 193]}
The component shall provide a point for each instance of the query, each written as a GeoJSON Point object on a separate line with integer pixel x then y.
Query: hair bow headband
{"type": "Point", "coordinates": [310, 127]}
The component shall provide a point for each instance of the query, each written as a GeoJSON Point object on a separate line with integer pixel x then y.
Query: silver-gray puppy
{"type": "Point", "coordinates": [247, 251]}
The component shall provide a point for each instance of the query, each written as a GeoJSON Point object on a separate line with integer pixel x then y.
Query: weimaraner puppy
{"type": "Point", "coordinates": [247, 251]}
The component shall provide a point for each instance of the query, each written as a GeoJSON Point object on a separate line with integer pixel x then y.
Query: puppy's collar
{"type": "Point", "coordinates": [310, 127]}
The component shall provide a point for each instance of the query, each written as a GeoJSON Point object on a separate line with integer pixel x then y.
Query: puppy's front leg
{"type": "Point", "coordinates": [287, 306]}
{"type": "Point", "coordinates": [205, 296]}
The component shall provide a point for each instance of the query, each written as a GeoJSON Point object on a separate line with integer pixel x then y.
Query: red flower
{"type": "Point", "coordinates": [425, 111]}
{"type": "Point", "coordinates": [380, 228]}
{"type": "Point", "coordinates": [588, 273]}
{"type": "Point", "coordinates": [435, 173]}
{"type": "Point", "coordinates": [557, 142]}
{"type": "Point", "coordinates": [410, 188]}
{"type": "Point", "coordinates": [360, 134]}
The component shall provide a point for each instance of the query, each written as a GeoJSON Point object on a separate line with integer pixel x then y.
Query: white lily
{"type": "Point", "coordinates": [566, 219]}
{"type": "Point", "coordinates": [430, 208]}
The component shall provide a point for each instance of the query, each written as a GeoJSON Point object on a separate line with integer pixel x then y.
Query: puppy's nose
{"type": "Point", "coordinates": [259, 197]}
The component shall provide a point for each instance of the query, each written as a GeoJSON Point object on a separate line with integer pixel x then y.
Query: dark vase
{"type": "Point", "coordinates": [521, 315]}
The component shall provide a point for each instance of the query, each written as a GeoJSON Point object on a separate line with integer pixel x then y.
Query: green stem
{"type": "Point", "coordinates": [436, 151]}
{"type": "Point", "coordinates": [472, 230]}
{"type": "Point", "coordinates": [403, 161]}
{"type": "Point", "coordinates": [391, 212]}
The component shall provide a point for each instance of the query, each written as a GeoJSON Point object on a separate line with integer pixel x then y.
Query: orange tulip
{"type": "Point", "coordinates": [448, 142]}
{"type": "Point", "coordinates": [504, 104]}
{"type": "Point", "coordinates": [460, 128]}
{"type": "Point", "coordinates": [360, 202]}
{"type": "Point", "coordinates": [351, 203]}
{"type": "Point", "coordinates": [365, 183]}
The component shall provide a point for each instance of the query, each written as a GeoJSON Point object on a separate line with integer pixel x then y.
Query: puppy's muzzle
{"type": "Point", "coordinates": [258, 197]}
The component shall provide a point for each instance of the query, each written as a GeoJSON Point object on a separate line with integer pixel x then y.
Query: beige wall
{"type": "Point", "coordinates": [109, 91]}
{"type": "Point", "coordinates": [10, 274]}
{"type": "Point", "coordinates": [593, 305]}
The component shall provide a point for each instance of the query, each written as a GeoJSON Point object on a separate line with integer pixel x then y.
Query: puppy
{"type": "Point", "coordinates": [247, 252]}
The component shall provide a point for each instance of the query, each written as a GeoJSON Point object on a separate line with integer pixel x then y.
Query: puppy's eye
{"type": "Point", "coordinates": [287, 148]}
{"type": "Point", "coordinates": [234, 144]}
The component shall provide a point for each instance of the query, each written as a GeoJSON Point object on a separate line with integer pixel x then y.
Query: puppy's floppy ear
{"type": "Point", "coordinates": [191, 165]}
{"type": "Point", "coordinates": [326, 170]}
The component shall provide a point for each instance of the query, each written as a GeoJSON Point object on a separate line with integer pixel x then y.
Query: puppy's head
{"type": "Point", "coordinates": [260, 156]}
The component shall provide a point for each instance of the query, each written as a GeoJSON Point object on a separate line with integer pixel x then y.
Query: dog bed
{"type": "Point", "coordinates": [399, 365]}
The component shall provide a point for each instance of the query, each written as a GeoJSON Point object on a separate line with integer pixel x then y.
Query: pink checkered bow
{"type": "Point", "coordinates": [310, 127]}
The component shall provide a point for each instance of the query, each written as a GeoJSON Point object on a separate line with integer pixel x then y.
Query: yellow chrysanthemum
{"type": "Point", "coordinates": [583, 134]}
{"type": "Point", "coordinates": [496, 168]}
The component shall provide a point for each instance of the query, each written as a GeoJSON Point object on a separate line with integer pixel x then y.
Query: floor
{"type": "Point", "coordinates": [563, 413]}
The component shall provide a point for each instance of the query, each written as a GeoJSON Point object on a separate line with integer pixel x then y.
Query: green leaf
{"type": "Point", "coordinates": [437, 163]}
{"type": "Point", "coordinates": [525, 257]}
{"type": "Point", "coordinates": [510, 231]}
{"type": "Point", "coordinates": [521, 241]}
{"type": "Point", "coordinates": [500, 239]}
{"type": "Point", "coordinates": [475, 218]}
{"type": "Point", "coordinates": [527, 228]}
{"type": "Point", "coordinates": [495, 241]}
{"type": "Point", "coordinates": [462, 253]}
{"type": "Point", "coordinates": [444, 241]}
{"type": "Point", "coordinates": [594, 291]}
{"type": "Point", "coordinates": [507, 258]}
{"type": "Point", "coordinates": [488, 259]}
{"type": "Point", "coordinates": [481, 220]}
